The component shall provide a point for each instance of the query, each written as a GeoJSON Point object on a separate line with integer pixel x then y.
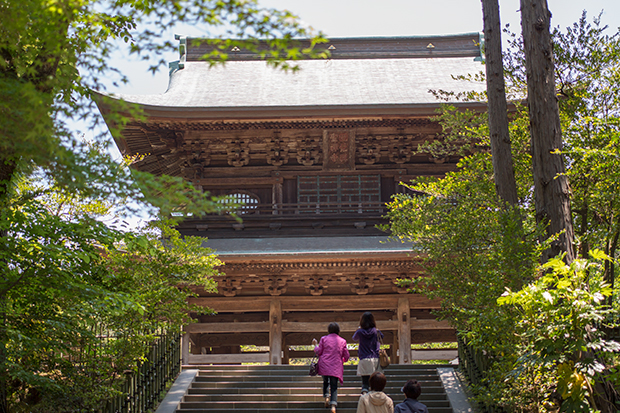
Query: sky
{"type": "Point", "coordinates": [350, 18]}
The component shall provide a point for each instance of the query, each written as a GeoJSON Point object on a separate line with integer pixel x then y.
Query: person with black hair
{"type": "Point", "coordinates": [332, 353]}
{"type": "Point", "coordinates": [412, 390]}
{"type": "Point", "coordinates": [368, 352]}
{"type": "Point", "coordinates": [375, 401]}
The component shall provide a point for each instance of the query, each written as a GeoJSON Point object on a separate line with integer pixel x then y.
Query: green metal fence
{"type": "Point", "coordinates": [474, 363]}
{"type": "Point", "coordinates": [142, 388]}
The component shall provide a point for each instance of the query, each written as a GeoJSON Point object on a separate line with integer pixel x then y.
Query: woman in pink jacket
{"type": "Point", "coordinates": [332, 352]}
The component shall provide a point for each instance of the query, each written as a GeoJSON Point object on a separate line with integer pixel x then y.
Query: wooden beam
{"type": "Point", "coordinates": [310, 327]}
{"type": "Point", "coordinates": [235, 182]}
{"type": "Point", "coordinates": [432, 336]}
{"type": "Point", "coordinates": [275, 332]}
{"type": "Point", "coordinates": [404, 331]}
{"type": "Point", "coordinates": [305, 338]}
{"type": "Point", "coordinates": [313, 303]}
{"type": "Point", "coordinates": [345, 326]}
{"type": "Point", "coordinates": [228, 358]}
{"type": "Point", "coordinates": [445, 354]}
{"type": "Point", "coordinates": [232, 304]}
{"type": "Point", "coordinates": [256, 327]}
{"type": "Point", "coordinates": [328, 317]}
{"type": "Point", "coordinates": [429, 324]}
{"type": "Point", "coordinates": [234, 339]}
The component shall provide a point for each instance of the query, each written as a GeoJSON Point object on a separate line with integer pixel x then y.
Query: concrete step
{"type": "Point", "coordinates": [262, 389]}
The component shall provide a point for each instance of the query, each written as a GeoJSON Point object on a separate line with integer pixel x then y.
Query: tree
{"type": "Point", "coordinates": [456, 225]}
{"type": "Point", "coordinates": [53, 55]}
{"type": "Point", "coordinates": [587, 61]}
{"type": "Point", "coordinates": [556, 315]}
{"type": "Point", "coordinates": [551, 190]}
{"type": "Point", "coordinates": [497, 110]}
{"type": "Point", "coordinates": [84, 301]}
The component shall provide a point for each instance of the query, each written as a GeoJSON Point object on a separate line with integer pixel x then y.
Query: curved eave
{"type": "Point", "coordinates": [299, 112]}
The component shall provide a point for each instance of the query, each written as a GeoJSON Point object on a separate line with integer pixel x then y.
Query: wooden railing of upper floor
{"type": "Point", "coordinates": [312, 208]}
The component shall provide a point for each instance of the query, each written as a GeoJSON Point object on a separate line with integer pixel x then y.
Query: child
{"type": "Point", "coordinates": [375, 401]}
{"type": "Point", "coordinates": [412, 390]}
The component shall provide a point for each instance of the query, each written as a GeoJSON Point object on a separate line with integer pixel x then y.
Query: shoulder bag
{"type": "Point", "coordinates": [314, 367]}
{"type": "Point", "coordinates": [384, 360]}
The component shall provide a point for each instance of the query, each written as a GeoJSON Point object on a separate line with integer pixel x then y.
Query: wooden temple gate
{"type": "Point", "coordinates": [299, 299]}
{"type": "Point", "coordinates": [314, 156]}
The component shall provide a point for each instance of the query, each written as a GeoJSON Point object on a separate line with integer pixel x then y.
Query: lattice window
{"type": "Point", "coordinates": [339, 193]}
{"type": "Point", "coordinates": [248, 201]}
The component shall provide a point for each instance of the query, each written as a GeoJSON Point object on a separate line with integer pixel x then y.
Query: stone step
{"type": "Point", "coordinates": [295, 372]}
{"type": "Point", "coordinates": [304, 367]}
{"type": "Point", "coordinates": [307, 379]}
{"type": "Point", "coordinates": [290, 404]}
{"type": "Point", "coordinates": [288, 367]}
{"type": "Point", "coordinates": [262, 389]}
{"type": "Point", "coordinates": [309, 397]}
{"type": "Point", "coordinates": [298, 409]}
{"type": "Point", "coordinates": [285, 388]}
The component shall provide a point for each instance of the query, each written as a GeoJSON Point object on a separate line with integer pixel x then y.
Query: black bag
{"type": "Point", "coordinates": [314, 367]}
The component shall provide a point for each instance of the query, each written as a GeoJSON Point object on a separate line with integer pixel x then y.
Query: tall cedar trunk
{"type": "Point", "coordinates": [503, 170]}
{"type": "Point", "coordinates": [7, 170]}
{"type": "Point", "coordinates": [551, 190]}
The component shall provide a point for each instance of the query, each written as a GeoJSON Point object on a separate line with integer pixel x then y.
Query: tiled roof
{"type": "Point", "coordinates": [317, 83]}
{"type": "Point", "coordinates": [308, 245]}
{"type": "Point", "coordinates": [387, 79]}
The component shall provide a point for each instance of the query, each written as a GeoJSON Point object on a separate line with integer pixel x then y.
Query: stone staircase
{"type": "Point", "coordinates": [264, 388]}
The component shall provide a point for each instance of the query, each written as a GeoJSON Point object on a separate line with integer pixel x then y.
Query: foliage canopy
{"type": "Point", "coordinates": [79, 300]}
{"type": "Point", "coordinates": [476, 248]}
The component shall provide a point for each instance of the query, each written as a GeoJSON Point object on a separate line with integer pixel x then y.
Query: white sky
{"type": "Point", "coordinates": [350, 18]}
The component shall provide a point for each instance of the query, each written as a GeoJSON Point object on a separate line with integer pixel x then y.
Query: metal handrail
{"type": "Point", "coordinates": [474, 364]}
{"type": "Point", "coordinates": [142, 388]}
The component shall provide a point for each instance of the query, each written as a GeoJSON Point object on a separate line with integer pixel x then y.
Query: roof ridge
{"type": "Point", "coordinates": [375, 47]}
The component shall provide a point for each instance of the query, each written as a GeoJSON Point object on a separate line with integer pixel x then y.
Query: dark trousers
{"type": "Point", "coordinates": [365, 383]}
{"type": "Point", "coordinates": [331, 382]}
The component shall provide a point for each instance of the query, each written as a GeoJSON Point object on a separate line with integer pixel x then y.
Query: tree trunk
{"type": "Point", "coordinates": [503, 171]}
{"type": "Point", "coordinates": [551, 190]}
{"type": "Point", "coordinates": [7, 169]}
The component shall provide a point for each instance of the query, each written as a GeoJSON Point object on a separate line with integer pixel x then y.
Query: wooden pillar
{"type": "Point", "coordinates": [404, 331]}
{"type": "Point", "coordinates": [394, 348]}
{"type": "Point", "coordinates": [285, 359]}
{"type": "Point", "coordinates": [276, 198]}
{"type": "Point", "coordinates": [275, 332]}
{"type": "Point", "coordinates": [185, 348]}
